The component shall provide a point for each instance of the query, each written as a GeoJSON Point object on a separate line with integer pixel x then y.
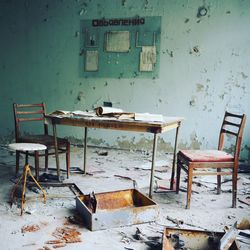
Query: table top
{"type": "Point", "coordinates": [105, 122]}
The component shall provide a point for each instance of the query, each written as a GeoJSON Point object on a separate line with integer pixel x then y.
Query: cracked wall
{"type": "Point", "coordinates": [204, 66]}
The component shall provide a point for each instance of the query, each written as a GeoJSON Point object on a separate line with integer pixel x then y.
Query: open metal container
{"type": "Point", "coordinates": [174, 238]}
{"type": "Point", "coordinates": [118, 208]}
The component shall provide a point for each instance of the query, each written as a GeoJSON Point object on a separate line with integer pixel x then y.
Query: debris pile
{"type": "Point", "coordinates": [63, 236]}
{"type": "Point", "coordinates": [30, 228]}
{"type": "Point", "coordinates": [153, 242]}
{"type": "Point", "coordinates": [69, 235]}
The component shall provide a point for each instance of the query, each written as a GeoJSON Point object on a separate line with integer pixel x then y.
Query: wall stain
{"type": "Point", "coordinates": [200, 87]}
{"type": "Point", "coordinates": [98, 142]}
{"type": "Point", "coordinates": [194, 143]}
{"type": "Point", "coordinates": [124, 2]}
{"type": "Point", "coordinates": [222, 96]}
{"type": "Point", "coordinates": [202, 11]}
{"type": "Point", "coordinates": [144, 144]}
{"type": "Point", "coordinates": [234, 53]}
{"type": "Point", "coordinates": [244, 76]}
{"type": "Point", "coordinates": [80, 96]}
{"type": "Point", "coordinates": [193, 100]}
{"type": "Point", "coordinates": [170, 53]}
{"type": "Point", "coordinates": [195, 50]}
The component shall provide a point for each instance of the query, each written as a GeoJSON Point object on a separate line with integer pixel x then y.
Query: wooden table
{"type": "Point", "coordinates": [155, 128]}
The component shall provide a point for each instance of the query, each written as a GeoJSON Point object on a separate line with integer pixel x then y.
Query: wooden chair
{"type": "Point", "coordinates": [35, 113]}
{"type": "Point", "coordinates": [193, 161]}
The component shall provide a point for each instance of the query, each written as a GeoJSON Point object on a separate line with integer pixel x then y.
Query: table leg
{"type": "Point", "coordinates": [85, 150]}
{"type": "Point", "coordinates": [153, 166]}
{"type": "Point", "coordinates": [56, 151]}
{"type": "Point", "coordinates": [174, 158]}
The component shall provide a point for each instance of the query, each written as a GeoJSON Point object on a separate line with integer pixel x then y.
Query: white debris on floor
{"type": "Point", "coordinates": [57, 224]}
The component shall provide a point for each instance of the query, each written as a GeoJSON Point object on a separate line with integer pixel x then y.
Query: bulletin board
{"type": "Point", "coordinates": [121, 47]}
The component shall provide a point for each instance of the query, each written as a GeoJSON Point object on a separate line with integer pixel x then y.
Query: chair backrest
{"type": "Point", "coordinates": [233, 124]}
{"type": "Point", "coordinates": [28, 113]}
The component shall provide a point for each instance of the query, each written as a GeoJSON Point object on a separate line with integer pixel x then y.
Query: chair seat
{"type": "Point", "coordinates": [206, 156]}
{"type": "Point", "coordinates": [47, 140]}
{"type": "Point", "coordinates": [27, 146]}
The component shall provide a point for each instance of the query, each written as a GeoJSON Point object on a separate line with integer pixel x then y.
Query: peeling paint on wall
{"type": "Point", "coordinates": [244, 76]}
{"type": "Point", "coordinates": [193, 144]}
{"type": "Point", "coordinates": [195, 50]}
{"type": "Point", "coordinates": [193, 101]}
{"type": "Point", "coordinates": [79, 97]}
{"type": "Point", "coordinates": [200, 87]}
{"type": "Point", "coordinates": [42, 42]}
{"type": "Point", "coordinates": [98, 142]}
{"type": "Point", "coordinates": [144, 144]}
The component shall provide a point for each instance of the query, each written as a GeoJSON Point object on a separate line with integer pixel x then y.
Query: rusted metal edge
{"type": "Point", "coordinates": [72, 186]}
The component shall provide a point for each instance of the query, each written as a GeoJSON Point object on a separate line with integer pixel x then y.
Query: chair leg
{"type": "Point", "coordinates": [17, 161]}
{"type": "Point", "coordinates": [37, 165]}
{"type": "Point", "coordinates": [25, 170]}
{"type": "Point", "coordinates": [178, 176]}
{"type": "Point", "coordinates": [44, 194]}
{"type": "Point", "coordinates": [68, 159]}
{"type": "Point", "coordinates": [218, 181]}
{"type": "Point", "coordinates": [234, 191]}
{"type": "Point", "coordinates": [189, 186]}
{"type": "Point", "coordinates": [46, 160]}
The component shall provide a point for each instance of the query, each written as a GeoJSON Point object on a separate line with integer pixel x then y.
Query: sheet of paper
{"type": "Point", "coordinates": [91, 60]}
{"type": "Point", "coordinates": [147, 58]}
{"type": "Point", "coordinates": [60, 112]}
{"type": "Point", "coordinates": [107, 110]}
{"type": "Point", "coordinates": [84, 113]}
{"type": "Point", "coordinates": [148, 117]}
{"type": "Point", "coordinates": [118, 41]}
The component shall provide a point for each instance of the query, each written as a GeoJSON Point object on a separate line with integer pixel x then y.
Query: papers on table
{"type": "Point", "coordinates": [148, 117]}
{"type": "Point", "coordinates": [60, 112]}
{"type": "Point", "coordinates": [107, 110]}
{"type": "Point", "coordinates": [83, 113]}
{"type": "Point", "coordinates": [110, 112]}
{"type": "Point", "coordinates": [63, 113]}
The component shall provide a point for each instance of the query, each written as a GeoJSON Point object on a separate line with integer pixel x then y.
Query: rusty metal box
{"type": "Point", "coordinates": [174, 238]}
{"type": "Point", "coordinates": [118, 208]}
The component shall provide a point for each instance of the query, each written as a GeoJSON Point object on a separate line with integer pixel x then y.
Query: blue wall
{"type": "Point", "coordinates": [204, 66]}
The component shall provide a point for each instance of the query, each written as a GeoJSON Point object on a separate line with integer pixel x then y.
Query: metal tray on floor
{"type": "Point", "coordinates": [118, 208]}
{"type": "Point", "coordinates": [174, 238]}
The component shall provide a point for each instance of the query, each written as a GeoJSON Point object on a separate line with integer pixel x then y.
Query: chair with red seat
{"type": "Point", "coordinates": [193, 161]}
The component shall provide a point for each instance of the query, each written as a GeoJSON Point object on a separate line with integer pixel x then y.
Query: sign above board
{"type": "Point", "coordinates": [118, 22]}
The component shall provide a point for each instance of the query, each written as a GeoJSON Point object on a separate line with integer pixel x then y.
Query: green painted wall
{"type": "Point", "coordinates": [204, 66]}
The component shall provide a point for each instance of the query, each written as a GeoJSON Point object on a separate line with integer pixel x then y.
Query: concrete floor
{"type": "Point", "coordinates": [208, 210]}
